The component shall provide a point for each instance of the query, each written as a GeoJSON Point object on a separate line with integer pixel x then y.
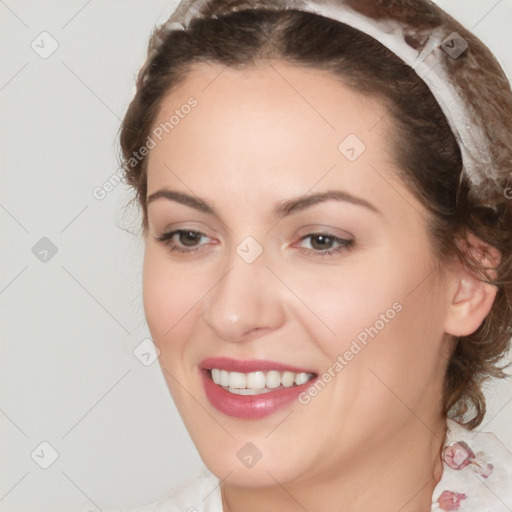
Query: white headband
{"type": "Point", "coordinates": [429, 63]}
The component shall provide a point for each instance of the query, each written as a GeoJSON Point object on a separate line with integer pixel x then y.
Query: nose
{"type": "Point", "coordinates": [245, 303]}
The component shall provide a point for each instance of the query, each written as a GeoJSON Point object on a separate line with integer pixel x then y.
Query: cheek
{"type": "Point", "coordinates": [386, 357]}
{"type": "Point", "coordinates": [388, 321]}
{"type": "Point", "coordinates": [336, 305]}
{"type": "Point", "coordinates": [400, 367]}
{"type": "Point", "coordinates": [170, 298]}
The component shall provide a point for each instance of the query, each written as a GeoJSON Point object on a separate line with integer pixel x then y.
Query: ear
{"type": "Point", "coordinates": [470, 298]}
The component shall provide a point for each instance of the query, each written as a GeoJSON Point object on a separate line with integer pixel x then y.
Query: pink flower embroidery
{"type": "Point", "coordinates": [480, 465]}
{"type": "Point", "coordinates": [458, 455]}
{"type": "Point", "coordinates": [450, 500]}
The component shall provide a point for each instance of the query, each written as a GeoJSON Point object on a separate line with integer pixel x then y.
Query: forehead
{"type": "Point", "coordinates": [263, 92]}
{"type": "Point", "coordinates": [269, 126]}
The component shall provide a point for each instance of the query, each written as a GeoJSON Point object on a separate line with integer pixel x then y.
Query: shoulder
{"type": "Point", "coordinates": [477, 472]}
{"type": "Point", "coordinates": [198, 493]}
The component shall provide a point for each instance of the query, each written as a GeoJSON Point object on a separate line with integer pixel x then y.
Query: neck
{"type": "Point", "coordinates": [399, 475]}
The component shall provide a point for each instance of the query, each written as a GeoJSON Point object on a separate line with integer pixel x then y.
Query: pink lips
{"type": "Point", "coordinates": [246, 366]}
{"type": "Point", "coordinates": [249, 406]}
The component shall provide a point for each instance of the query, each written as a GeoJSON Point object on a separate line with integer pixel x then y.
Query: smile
{"type": "Point", "coordinates": [258, 382]}
{"type": "Point", "coordinates": [252, 389]}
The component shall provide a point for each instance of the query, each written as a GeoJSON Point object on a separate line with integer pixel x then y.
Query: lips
{"type": "Point", "coordinates": [252, 389]}
{"type": "Point", "coordinates": [248, 365]}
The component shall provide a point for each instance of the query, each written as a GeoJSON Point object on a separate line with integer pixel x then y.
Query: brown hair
{"type": "Point", "coordinates": [426, 150]}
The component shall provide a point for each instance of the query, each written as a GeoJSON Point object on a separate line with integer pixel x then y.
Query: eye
{"type": "Point", "coordinates": [325, 243]}
{"type": "Point", "coordinates": [184, 240]}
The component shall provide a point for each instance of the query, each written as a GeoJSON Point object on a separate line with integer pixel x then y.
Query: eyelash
{"type": "Point", "coordinates": [344, 244]}
{"type": "Point", "coordinates": [166, 239]}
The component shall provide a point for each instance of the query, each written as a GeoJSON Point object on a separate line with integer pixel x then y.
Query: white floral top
{"type": "Point", "coordinates": [477, 474]}
{"type": "Point", "coordinates": [477, 477]}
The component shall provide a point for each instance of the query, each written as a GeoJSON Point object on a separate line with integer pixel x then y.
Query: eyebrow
{"type": "Point", "coordinates": [180, 197]}
{"type": "Point", "coordinates": [303, 202]}
{"type": "Point", "coordinates": [281, 210]}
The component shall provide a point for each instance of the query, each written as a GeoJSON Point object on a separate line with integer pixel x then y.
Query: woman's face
{"type": "Point", "coordinates": [292, 251]}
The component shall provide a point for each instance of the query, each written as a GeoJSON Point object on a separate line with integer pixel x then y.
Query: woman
{"type": "Point", "coordinates": [327, 273]}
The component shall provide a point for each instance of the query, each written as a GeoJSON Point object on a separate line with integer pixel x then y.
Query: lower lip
{"type": "Point", "coordinates": [250, 406]}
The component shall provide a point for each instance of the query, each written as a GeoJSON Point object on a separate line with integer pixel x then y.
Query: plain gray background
{"type": "Point", "coordinates": [70, 321]}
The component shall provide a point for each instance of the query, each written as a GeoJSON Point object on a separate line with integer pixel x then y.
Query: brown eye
{"type": "Point", "coordinates": [321, 242]}
{"type": "Point", "coordinates": [185, 241]}
{"type": "Point", "coordinates": [189, 238]}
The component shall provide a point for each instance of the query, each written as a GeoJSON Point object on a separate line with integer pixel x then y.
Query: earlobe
{"type": "Point", "coordinates": [471, 298]}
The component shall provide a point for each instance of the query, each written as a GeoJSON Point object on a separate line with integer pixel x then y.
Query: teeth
{"type": "Point", "coordinates": [256, 380]}
{"type": "Point", "coordinates": [237, 380]}
{"type": "Point", "coordinates": [248, 391]}
{"type": "Point", "coordinates": [301, 378]}
{"type": "Point", "coordinates": [273, 379]}
{"type": "Point", "coordinates": [224, 378]}
{"type": "Point", "coordinates": [288, 379]}
{"type": "Point", "coordinates": [254, 383]}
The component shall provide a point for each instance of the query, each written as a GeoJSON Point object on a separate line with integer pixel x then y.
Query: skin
{"type": "Point", "coordinates": [371, 439]}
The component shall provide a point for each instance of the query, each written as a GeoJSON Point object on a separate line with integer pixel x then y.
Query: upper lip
{"type": "Point", "coordinates": [248, 365]}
